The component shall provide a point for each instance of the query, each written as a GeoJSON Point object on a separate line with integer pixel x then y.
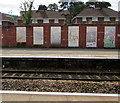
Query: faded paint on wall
{"type": "Point", "coordinates": [91, 37]}
{"type": "Point", "coordinates": [55, 35]}
{"type": "Point", "coordinates": [38, 36]}
{"type": "Point", "coordinates": [73, 36]}
{"type": "Point", "coordinates": [20, 34]}
{"type": "Point", "coordinates": [109, 36]}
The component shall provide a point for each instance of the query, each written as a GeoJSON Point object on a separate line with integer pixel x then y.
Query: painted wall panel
{"type": "Point", "coordinates": [73, 36]}
{"type": "Point", "coordinates": [109, 36]}
{"type": "Point", "coordinates": [91, 37]}
{"type": "Point", "coordinates": [55, 35]}
{"type": "Point", "coordinates": [38, 38]}
{"type": "Point", "coordinates": [20, 34]}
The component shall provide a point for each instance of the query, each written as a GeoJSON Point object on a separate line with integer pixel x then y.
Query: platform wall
{"type": "Point", "coordinates": [78, 36]}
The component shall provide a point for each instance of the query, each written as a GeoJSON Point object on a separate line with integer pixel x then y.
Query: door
{"type": "Point", "coordinates": [91, 37]}
{"type": "Point", "coordinates": [109, 36]}
{"type": "Point", "coordinates": [73, 36]}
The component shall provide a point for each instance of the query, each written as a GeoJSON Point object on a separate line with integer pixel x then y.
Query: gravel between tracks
{"type": "Point", "coordinates": [60, 86]}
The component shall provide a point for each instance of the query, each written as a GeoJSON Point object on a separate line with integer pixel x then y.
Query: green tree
{"type": "Point", "coordinates": [105, 4]}
{"type": "Point", "coordinates": [74, 9]}
{"type": "Point", "coordinates": [53, 7]}
{"type": "Point", "coordinates": [98, 4]}
{"type": "Point", "coordinates": [64, 5]}
{"type": "Point", "coordinates": [26, 11]}
{"type": "Point", "coordinates": [42, 7]}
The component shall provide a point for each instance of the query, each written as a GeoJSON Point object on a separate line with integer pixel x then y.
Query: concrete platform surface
{"type": "Point", "coordinates": [60, 53]}
{"type": "Point", "coordinates": [56, 96]}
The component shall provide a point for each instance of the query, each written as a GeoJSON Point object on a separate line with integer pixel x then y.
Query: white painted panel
{"type": "Point", "coordinates": [73, 36]}
{"type": "Point", "coordinates": [55, 35]}
{"type": "Point", "coordinates": [45, 20]}
{"type": "Point", "coordinates": [56, 21]}
{"type": "Point", "coordinates": [38, 37]}
{"type": "Point", "coordinates": [20, 34]}
{"type": "Point", "coordinates": [84, 19]}
{"type": "Point", "coordinates": [91, 37]}
{"type": "Point", "coordinates": [106, 19]}
{"type": "Point", "coordinates": [0, 22]}
{"type": "Point", "coordinates": [109, 36]}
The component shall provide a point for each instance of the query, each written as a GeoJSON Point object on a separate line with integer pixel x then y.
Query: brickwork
{"type": "Point", "coordinates": [9, 36]}
{"type": "Point", "coordinates": [41, 23]}
{"type": "Point", "coordinates": [29, 36]}
{"type": "Point", "coordinates": [118, 37]}
{"type": "Point", "coordinates": [89, 21]}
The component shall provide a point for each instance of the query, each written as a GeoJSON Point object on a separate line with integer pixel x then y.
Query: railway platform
{"type": "Point", "coordinates": [67, 53]}
{"type": "Point", "coordinates": [58, 96]}
{"type": "Point", "coordinates": [60, 53]}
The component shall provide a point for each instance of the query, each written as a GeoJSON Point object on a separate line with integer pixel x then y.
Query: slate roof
{"type": "Point", "coordinates": [4, 17]}
{"type": "Point", "coordinates": [92, 12]}
{"type": "Point", "coordinates": [64, 12]}
{"type": "Point", "coordinates": [45, 14]}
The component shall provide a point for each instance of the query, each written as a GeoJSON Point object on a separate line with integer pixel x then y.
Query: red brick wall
{"type": "Point", "coordinates": [89, 20]}
{"type": "Point", "coordinates": [61, 21]}
{"type": "Point", "coordinates": [40, 22]}
{"type": "Point", "coordinates": [9, 36]}
{"type": "Point", "coordinates": [0, 36]}
{"type": "Point", "coordinates": [51, 21]}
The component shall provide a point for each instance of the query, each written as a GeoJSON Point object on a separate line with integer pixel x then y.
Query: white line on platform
{"type": "Point", "coordinates": [58, 93]}
{"type": "Point", "coordinates": [71, 57]}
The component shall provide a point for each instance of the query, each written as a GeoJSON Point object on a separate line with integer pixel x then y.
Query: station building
{"type": "Point", "coordinates": [46, 17]}
{"type": "Point", "coordinates": [6, 20]}
{"type": "Point", "coordinates": [92, 28]}
{"type": "Point", "coordinates": [97, 16]}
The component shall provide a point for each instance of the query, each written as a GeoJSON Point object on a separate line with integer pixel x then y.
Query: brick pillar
{"type": "Point", "coordinates": [100, 36]}
{"type": "Point", "coordinates": [82, 36]}
{"type": "Point", "coordinates": [64, 36]}
{"type": "Point", "coordinates": [47, 36]}
{"type": "Point", "coordinates": [117, 36]}
{"type": "Point", "coordinates": [29, 36]}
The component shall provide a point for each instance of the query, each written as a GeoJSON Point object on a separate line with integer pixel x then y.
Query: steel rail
{"type": "Point", "coordinates": [61, 75]}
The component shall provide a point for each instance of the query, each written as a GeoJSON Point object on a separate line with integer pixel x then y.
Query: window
{"type": "Point", "coordinates": [94, 18]}
{"type": "Point", "coordinates": [46, 21]}
{"type": "Point", "coordinates": [84, 19]}
{"type": "Point", "coordinates": [34, 21]}
{"type": "Point", "coordinates": [56, 21]}
{"type": "Point", "coordinates": [106, 19]}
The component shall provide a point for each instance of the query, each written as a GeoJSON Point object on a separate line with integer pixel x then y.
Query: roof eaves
{"type": "Point", "coordinates": [48, 18]}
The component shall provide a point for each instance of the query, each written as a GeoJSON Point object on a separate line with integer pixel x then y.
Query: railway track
{"type": "Point", "coordinates": [25, 74]}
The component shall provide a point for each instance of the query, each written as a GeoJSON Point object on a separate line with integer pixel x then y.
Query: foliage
{"type": "Point", "coordinates": [74, 9]}
{"type": "Point", "coordinates": [26, 11]}
{"type": "Point", "coordinates": [53, 7]}
{"type": "Point", "coordinates": [98, 4]}
{"type": "Point", "coordinates": [42, 7]}
{"type": "Point", "coordinates": [64, 5]}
